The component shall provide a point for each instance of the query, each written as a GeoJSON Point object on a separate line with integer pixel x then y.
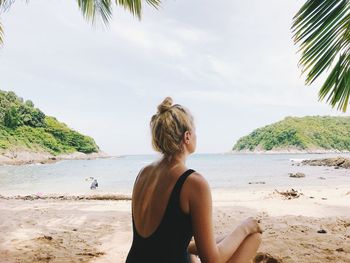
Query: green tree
{"type": "Point", "coordinates": [94, 9]}
{"type": "Point", "coordinates": [31, 116]}
{"type": "Point", "coordinates": [322, 30]}
{"type": "Point", "coordinates": [12, 118]}
{"type": "Point", "coordinates": [11, 96]}
{"type": "Point", "coordinates": [29, 103]}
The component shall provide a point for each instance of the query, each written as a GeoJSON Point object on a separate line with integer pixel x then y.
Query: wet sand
{"type": "Point", "coordinates": [81, 230]}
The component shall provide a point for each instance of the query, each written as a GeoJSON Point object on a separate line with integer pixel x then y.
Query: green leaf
{"type": "Point", "coordinates": [322, 30]}
{"type": "Point", "coordinates": [1, 35]}
{"type": "Point", "coordinates": [93, 9]}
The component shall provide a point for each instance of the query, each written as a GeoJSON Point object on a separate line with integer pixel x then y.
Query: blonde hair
{"type": "Point", "coordinates": [168, 126]}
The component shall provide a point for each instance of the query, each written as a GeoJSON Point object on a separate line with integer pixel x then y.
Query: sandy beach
{"type": "Point", "coordinates": [79, 230]}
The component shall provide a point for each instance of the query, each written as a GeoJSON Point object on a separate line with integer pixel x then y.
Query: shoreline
{"type": "Point", "coordinates": [18, 158]}
{"type": "Point", "coordinates": [22, 157]}
{"type": "Point", "coordinates": [253, 198]}
{"type": "Point", "coordinates": [64, 197]}
{"type": "Point", "coordinates": [286, 151]}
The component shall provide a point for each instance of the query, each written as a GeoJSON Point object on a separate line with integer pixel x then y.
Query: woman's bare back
{"type": "Point", "coordinates": [151, 195]}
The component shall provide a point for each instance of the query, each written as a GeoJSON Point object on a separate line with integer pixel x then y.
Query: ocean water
{"type": "Point", "coordinates": [117, 175]}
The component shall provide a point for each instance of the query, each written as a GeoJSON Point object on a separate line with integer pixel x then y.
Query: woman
{"type": "Point", "coordinates": [171, 203]}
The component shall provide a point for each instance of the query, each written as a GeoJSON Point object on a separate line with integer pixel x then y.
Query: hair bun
{"type": "Point", "coordinates": [165, 105]}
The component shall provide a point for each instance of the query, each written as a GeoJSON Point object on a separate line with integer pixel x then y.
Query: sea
{"type": "Point", "coordinates": [223, 171]}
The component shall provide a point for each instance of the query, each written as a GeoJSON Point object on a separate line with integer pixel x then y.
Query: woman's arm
{"type": "Point", "coordinates": [193, 249]}
{"type": "Point", "coordinates": [200, 203]}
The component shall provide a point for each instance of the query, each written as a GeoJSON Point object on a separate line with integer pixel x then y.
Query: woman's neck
{"type": "Point", "coordinates": [175, 159]}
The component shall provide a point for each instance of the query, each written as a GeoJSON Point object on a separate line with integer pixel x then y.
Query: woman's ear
{"type": "Point", "coordinates": [187, 137]}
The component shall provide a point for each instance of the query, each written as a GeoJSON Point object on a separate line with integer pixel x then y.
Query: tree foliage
{"type": "Point", "coordinates": [23, 125]}
{"type": "Point", "coordinates": [12, 118]}
{"type": "Point", "coordinates": [311, 132]}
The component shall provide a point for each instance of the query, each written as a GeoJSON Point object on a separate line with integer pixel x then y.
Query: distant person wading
{"type": "Point", "coordinates": [172, 203]}
{"type": "Point", "coordinates": [94, 184]}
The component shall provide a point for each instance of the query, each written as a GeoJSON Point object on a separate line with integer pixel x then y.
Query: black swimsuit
{"type": "Point", "coordinates": [169, 242]}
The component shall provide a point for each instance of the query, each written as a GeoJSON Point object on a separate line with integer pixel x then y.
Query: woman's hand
{"type": "Point", "coordinates": [251, 226]}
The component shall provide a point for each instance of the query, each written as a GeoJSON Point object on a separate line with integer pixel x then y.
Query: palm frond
{"type": "Point", "coordinates": [1, 35]}
{"type": "Point", "coordinates": [322, 30]}
{"type": "Point", "coordinates": [135, 6]}
{"type": "Point", "coordinates": [93, 9]}
{"type": "Point", "coordinates": [5, 4]}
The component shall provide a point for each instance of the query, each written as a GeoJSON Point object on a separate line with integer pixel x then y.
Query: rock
{"type": "Point", "coordinates": [322, 231]}
{"type": "Point", "coordinates": [322, 178]}
{"type": "Point", "coordinates": [337, 162]}
{"type": "Point", "coordinates": [256, 182]}
{"type": "Point", "coordinates": [265, 258]}
{"type": "Point", "coordinates": [297, 175]}
{"type": "Point", "coordinates": [45, 238]}
{"type": "Point", "coordinates": [340, 249]}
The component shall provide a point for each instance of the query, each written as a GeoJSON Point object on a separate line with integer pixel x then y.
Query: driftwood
{"type": "Point", "coordinates": [289, 194]}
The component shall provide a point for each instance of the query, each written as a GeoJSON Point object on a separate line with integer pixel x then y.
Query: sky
{"type": "Point", "coordinates": [233, 64]}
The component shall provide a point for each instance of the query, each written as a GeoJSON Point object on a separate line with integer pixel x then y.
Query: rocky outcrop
{"type": "Point", "coordinates": [23, 156]}
{"type": "Point", "coordinates": [337, 162]}
{"type": "Point", "coordinates": [297, 175]}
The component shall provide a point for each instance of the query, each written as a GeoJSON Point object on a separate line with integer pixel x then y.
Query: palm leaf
{"type": "Point", "coordinates": [1, 35]}
{"type": "Point", "coordinates": [93, 9]}
{"type": "Point", "coordinates": [135, 6]}
{"type": "Point", "coordinates": [6, 4]}
{"type": "Point", "coordinates": [322, 30]}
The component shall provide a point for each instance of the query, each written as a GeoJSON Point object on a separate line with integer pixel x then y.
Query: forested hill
{"type": "Point", "coordinates": [309, 134]}
{"type": "Point", "coordinates": [26, 128]}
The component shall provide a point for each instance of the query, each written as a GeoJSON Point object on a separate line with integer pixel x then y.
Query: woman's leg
{"type": "Point", "coordinates": [195, 259]}
{"type": "Point", "coordinates": [247, 250]}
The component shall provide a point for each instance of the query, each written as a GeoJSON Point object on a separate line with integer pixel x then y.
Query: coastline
{"type": "Point", "coordinates": [289, 151]}
{"type": "Point", "coordinates": [80, 230]}
{"type": "Point", "coordinates": [24, 157]}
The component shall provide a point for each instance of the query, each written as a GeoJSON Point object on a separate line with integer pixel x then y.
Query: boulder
{"type": "Point", "coordinates": [297, 175]}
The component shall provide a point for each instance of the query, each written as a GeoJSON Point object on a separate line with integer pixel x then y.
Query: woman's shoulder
{"type": "Point", "coordinates": [197, 182]}
{"type": "Point", "coordinates": [197, 190]}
